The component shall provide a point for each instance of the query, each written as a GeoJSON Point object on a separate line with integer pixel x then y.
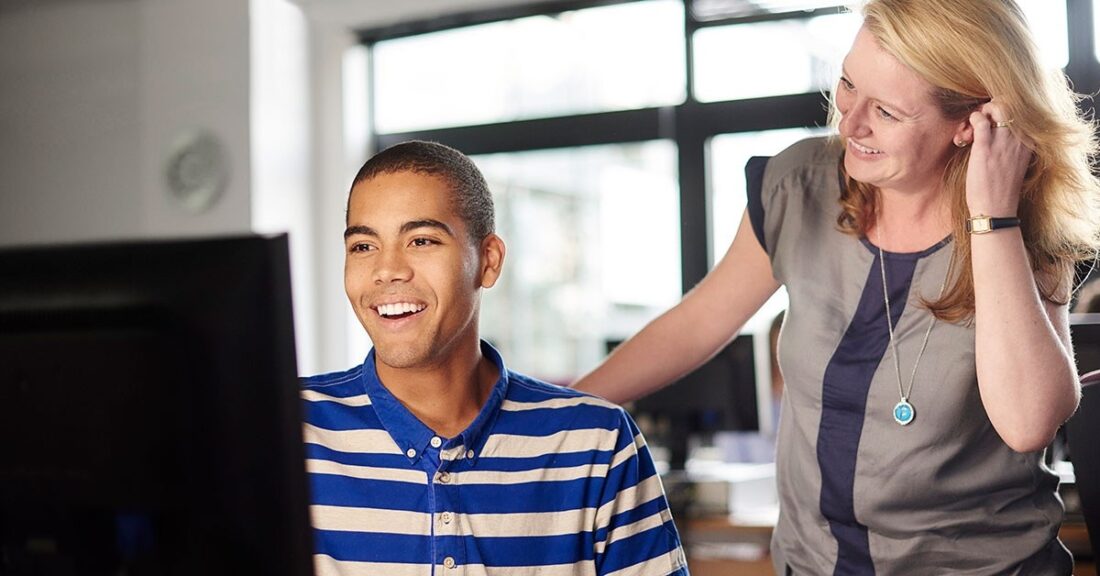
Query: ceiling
{"type": "Point", "coordinates": [358, 14]}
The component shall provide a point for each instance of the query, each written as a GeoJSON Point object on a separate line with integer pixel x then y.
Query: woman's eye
{"type": "Point", "coordinates": [883, 113]}
{"type": "Point", "coordinates": [847, 84]}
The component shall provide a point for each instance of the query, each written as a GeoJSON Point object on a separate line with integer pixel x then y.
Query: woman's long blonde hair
{"type": "Point", "coordinates": [972, 51]}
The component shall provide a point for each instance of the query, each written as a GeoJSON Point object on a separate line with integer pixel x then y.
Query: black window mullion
{"type": "Point", "coordinates": [561, 132]}
{"type": "Point", "coordinates": [691, 161]}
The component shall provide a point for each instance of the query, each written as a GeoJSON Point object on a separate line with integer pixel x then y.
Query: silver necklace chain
{"type": "Point", "coordinates": [903, 392]}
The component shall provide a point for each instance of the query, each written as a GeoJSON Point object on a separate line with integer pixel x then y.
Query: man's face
{"type": "Point", "coordinates": [411, 272]}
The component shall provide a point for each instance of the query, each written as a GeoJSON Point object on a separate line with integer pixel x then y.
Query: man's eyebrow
{"type": "Point", "coordinates": [426, 223]}
{"type": "Point", "coordinates": [407, 227]}
{"type": "Point", "coordinates": [359, 230]}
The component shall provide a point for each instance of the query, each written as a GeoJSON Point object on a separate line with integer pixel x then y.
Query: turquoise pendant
{"type": "Point", "coordinates": [904, 413]}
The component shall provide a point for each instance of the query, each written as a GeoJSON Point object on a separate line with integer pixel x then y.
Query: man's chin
{"type": "Point", "coordinates": [395, 357]}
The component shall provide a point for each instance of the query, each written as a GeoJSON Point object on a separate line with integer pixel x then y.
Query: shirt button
{"type": "Point", "coordinates": [444, 477]}
{"type": "Point", "coordinates": [436, 442]}
{"type": "Point", "coordinates": [410, 453]}
{"type": "Point", "coordinates": [470, 454]}
{"type": "Point", "coordinates": [449, 562]}
{"type": "Point", "coordinates": [446, 517]}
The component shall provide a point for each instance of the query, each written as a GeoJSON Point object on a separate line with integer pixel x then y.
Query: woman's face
{"type": "Point", "coordinates": [897, 138]}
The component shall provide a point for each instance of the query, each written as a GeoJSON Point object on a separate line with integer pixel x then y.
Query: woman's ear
{"type": "Point", "coordinates": [964, 133]}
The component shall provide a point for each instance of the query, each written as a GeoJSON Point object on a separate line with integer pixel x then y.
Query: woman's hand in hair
{"type": "Point", "coordinates": [998, 163]}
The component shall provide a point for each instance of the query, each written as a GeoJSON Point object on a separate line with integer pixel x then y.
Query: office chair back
{"type": "Point", "coordinates": [1083, 435]}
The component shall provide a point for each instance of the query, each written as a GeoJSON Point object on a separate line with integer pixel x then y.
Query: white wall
{"type": "Point", "coordinates": [195, 75]}
{"type": "Point", "coordinates": [69, 127]}
{"type": "Point", "coordinates": [94, 96]}
{"type": "Point", "coordinates": [337, 101]}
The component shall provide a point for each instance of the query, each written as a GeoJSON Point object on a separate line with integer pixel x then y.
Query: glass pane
{"type": "Point", "coordinates": [593, 238]}
{"type": "Point", "coordinates": [598, 59]}
{"type": "Point", "coordinates": [742, 60]}
{"type": "Point", "coordinates": [706, 10]}
{"type": "Point", "coordinates": [1048, 23]}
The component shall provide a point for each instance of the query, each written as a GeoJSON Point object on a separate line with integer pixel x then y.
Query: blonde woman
{"type": "Point", "coordinates": [928, 253]}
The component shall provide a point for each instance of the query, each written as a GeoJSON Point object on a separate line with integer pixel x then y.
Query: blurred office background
{"type": "Point", "coordinates": [613, 134]}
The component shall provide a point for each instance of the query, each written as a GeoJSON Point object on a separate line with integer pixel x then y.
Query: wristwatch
{"type": "Point", "coordinates": [982, 224]}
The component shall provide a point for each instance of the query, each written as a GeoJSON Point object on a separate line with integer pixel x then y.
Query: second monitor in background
{"type": "Point", "coordinates": [732, 392]}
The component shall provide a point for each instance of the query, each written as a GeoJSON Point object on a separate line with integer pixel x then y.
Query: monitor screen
{"type": "Point", "coordinates": [1084, 331]}
{"type": "Point", "coordinates": [149, 411]}
{"type": "Point", "coordinates": [730, 392]}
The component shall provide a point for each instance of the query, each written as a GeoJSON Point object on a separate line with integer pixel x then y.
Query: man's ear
{"type": "Point", "coordinates": [492, 260]}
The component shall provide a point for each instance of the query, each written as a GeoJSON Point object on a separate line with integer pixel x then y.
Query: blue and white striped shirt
{"type": "Point", "coordinates": [545, 480]}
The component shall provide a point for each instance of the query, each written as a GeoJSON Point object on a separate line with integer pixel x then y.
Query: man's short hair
{"type": "Point", "coordinates": [471, 196]}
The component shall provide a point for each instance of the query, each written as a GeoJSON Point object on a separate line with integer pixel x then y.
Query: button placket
{"type": "Point", "coordinates": [451, 553]}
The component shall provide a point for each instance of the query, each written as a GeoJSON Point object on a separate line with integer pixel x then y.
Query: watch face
{"type": "Point", "coordinates": [979, 225]}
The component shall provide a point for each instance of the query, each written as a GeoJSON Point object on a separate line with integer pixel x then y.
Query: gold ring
{"type": "Point", "coordinates": [1002, 123]}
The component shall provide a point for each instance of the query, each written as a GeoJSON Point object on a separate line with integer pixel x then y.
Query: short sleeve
{"type": "Point", "coordinates": [754, 184]}
{"type": "Point", "coordinates": [792, 200]}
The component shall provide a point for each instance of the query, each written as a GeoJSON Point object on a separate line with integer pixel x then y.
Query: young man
{"type": "Point", "coordinates": [432, 457]}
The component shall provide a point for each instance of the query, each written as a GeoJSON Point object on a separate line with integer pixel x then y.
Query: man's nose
{"type": "Point", "coordinates": [392, 266]}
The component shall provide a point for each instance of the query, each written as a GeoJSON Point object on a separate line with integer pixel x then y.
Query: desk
{"type": "Point", "coordinates": [716, 546]}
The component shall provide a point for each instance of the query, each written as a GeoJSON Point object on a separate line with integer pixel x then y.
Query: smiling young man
{"type": "Point", "coordinates": [432, 457]}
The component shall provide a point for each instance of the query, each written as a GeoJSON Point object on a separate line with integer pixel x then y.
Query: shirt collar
{"type": "Point", "coordinates": [410, 434]}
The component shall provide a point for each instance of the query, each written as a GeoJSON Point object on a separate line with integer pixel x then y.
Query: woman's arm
{"type": "Point", "coordinates": [693, 331]}
{"type": "Point", "coordinates": [1026, 373]}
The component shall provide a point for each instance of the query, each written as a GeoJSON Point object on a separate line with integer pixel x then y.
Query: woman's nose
{"type": "Point", "coordinates": [853, 119]}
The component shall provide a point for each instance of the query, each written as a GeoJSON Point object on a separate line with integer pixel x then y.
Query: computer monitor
{"type": "Point", "coordinates": [730, 392]}
{"type": "Point", "coordinates": [149, 411]}
{"type": "Point", "coordinates": [1084, 330]}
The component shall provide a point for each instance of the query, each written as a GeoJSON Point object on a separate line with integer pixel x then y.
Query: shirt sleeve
{"type": "Point", "coordinates": [790, 200]}
{"type": "Point", "coordinates": [754, 187]}
{"type": "Point", "coordinates": [634, 532]}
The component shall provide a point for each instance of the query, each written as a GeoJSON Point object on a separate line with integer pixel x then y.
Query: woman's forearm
{"type": "Point", "coordinates": [693, 331]}
{"type": "Point", "coordinates": [1025, 367]}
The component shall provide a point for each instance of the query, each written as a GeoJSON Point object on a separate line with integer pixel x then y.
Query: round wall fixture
{"type": "Point", "coordinates": [197, 170]}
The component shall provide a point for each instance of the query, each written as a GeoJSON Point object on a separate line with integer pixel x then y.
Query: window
{"type": "Point", "coordinates": [547, 65]}
{"type": "Point", "coordinates": [740, 60]}
{"type": "Point", "coordinates": [1049, 26]}
{"type": "Point", "coordinates": [593, 251]}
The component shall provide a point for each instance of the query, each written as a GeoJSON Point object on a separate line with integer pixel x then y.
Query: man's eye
{"type": "Point", "coordinates": [420, 242]}
{"type": "Point", "coordinates": [361, 248]}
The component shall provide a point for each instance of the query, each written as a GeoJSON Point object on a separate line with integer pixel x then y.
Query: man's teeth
{"type": "Point", "coordinates": [399, 309]}
{"type": "Point", "coordinates": [864, 149]}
